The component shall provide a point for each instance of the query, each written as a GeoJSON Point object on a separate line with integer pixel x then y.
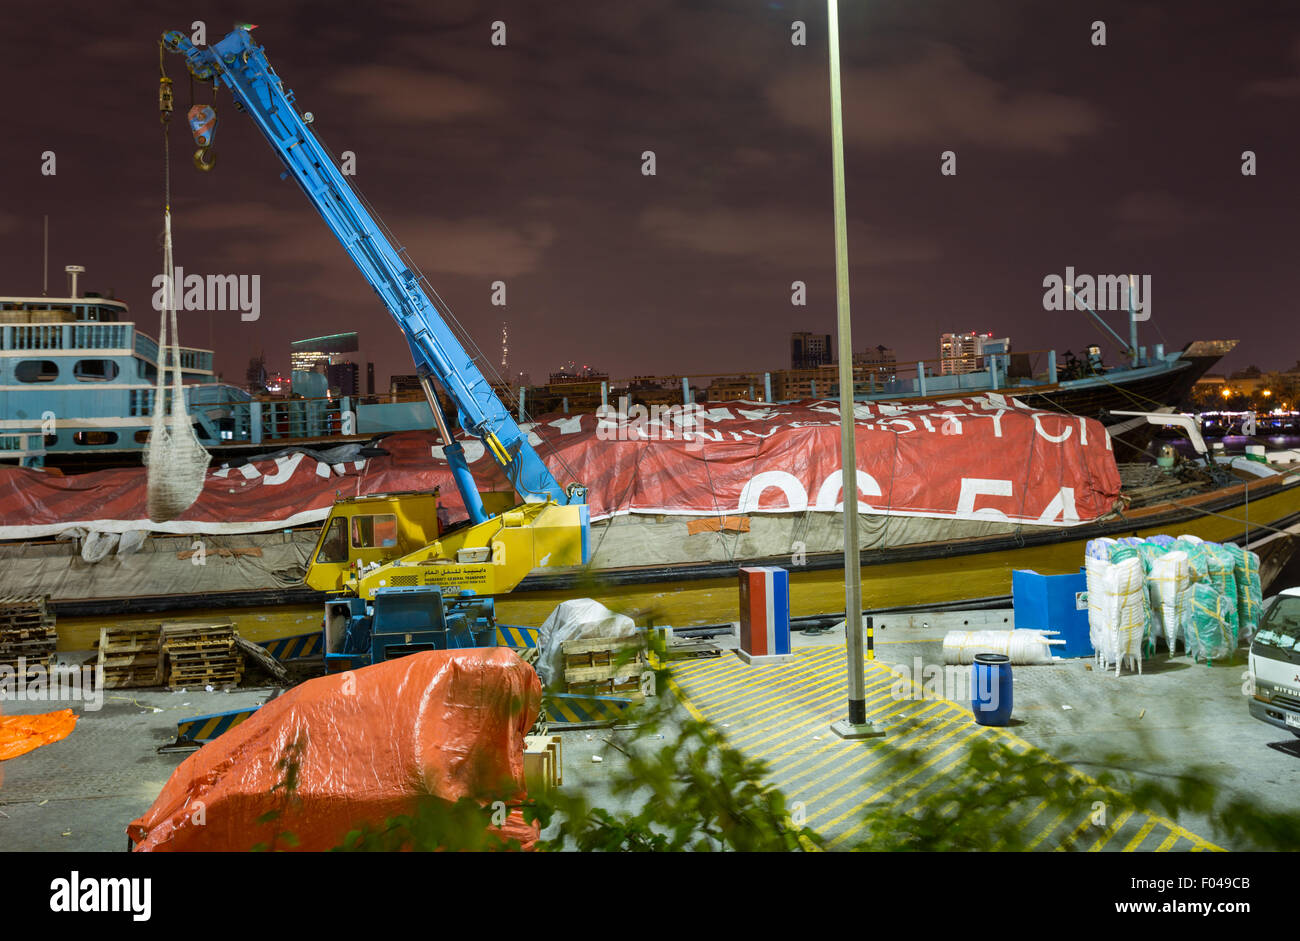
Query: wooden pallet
{"type": "Point", "coordinates": [32, 666]}
{"type": "Point", "coordinates": [177, 679]}
{"type": "Point", "coordinates": [201, 653]}
{"type": "Point", "coordinates": [130, 657]}
{"type": "Point", "coordinates": [21, 611]}
{"type": "Point", "coordinates": [605, 666]}
{"type": "Point", "coordinates": [596, 651]}
{"type": "Point", "coordinates": [25, 620]}
{"type": "Point", "coordinates": [127, 639]}
{"type": "Point", "coordinates": [692, 650]}
{"type": "Point", "coordinates": [177, 633]}
{"type": "Point", "coordinates": [543, 762]}
{"type": "Point", "coordinates": [191, 653]}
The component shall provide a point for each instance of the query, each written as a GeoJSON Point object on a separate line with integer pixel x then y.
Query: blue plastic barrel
{"type": "Point", "coordinates": [991, 689]}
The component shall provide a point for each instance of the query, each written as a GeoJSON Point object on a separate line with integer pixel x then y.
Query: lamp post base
{"type": "Point", "coordinates": [846, 729]}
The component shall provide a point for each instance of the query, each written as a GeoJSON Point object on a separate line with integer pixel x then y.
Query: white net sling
{"type": "Point", "coordinates": [177, 462]}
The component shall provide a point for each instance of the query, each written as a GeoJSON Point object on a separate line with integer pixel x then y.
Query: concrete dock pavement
{"type": "Point", "coordinates": [1176, 715]}
{"type": "Point", "coordinates": [79, 794]}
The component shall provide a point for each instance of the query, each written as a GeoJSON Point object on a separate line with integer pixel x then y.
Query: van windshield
{"type": "Point", "coordinates": [1280, 627]}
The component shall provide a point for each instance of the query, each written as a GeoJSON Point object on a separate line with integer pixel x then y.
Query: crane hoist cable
{"type": "Point", "coordinates": [177, 463]}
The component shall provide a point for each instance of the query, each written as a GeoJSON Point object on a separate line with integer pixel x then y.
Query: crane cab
{"type": "Point", "coordinates": [396, 539]}
{"type": "Point", "coordinates": [363, 531]}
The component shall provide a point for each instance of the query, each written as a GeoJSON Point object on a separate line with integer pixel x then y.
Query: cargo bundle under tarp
{"type": "Point", "coordinates": [341, 752]}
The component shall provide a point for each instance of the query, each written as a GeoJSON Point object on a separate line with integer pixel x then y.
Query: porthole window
{"type": "Point", "coordinates": [36, 370]}
{"type": "Point", "coordinates": [95, 438]}
{"type": "Point", "coordinates": [95, 370]}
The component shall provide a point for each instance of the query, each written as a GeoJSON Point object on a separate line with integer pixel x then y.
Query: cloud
{"type": "Point", "coordinates": [473, 246]}
{"type": "Point", "coordinates": [424, 98]}
{"type": "Point", "coordinates": [1147, 215]}
{"type": "Point", "coordinates": [780, 236]}
{"type": "Point", "coordinates": [1279, 87]}
{"type": "Point", "coordinates": [1275, 88]}
{"type": "Point", "coordinates": [934, 100]}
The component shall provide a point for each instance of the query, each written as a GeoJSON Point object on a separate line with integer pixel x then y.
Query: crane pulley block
{"type": "Point", "coordinates": [203, 124]}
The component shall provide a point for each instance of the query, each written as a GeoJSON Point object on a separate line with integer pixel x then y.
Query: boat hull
{"type": "Point", "coordinates": [964, 571]}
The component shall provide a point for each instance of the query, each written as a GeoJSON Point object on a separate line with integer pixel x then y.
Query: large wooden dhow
{"type": "Point", "coordinates": [947, 517]}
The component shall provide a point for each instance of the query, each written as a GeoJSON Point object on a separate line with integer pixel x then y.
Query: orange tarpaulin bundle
{"type": "Point", "coordinates": [21, 734]}
{"type": "Point", "coordinates": [355, 748]}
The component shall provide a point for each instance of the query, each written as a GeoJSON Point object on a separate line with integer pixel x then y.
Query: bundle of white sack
{"type": "Point", "coordinates": [1021, 646]}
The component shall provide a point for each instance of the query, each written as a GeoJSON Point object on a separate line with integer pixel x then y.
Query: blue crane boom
{"type": "Point", "coordinates": [241, 66]}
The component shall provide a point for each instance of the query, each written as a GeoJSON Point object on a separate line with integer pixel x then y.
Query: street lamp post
{"type": "Point", "coordinates": [856, 724]}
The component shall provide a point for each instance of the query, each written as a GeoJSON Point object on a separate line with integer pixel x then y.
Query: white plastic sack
{"type": "Point", "coordinates": [1021, 645]}
{"type": "Point", "coordinates": [576, 619]}
{"type": "Point", "coordinates": [1118, 608]}
{"type": "Point", "coordinates": [1170, 586]}
{"type": "Point", "coordinates": [131, 541]}
{"type": "Point", "coordinates": [1099, 617]}
{"type": "Point", "coordinates": [97, 546]}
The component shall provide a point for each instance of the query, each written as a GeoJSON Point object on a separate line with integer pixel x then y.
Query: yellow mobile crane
{"type": "Point", "coordinates": [405, 584]}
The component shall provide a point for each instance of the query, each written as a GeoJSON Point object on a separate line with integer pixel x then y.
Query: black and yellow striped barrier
{"type": "Point", "coordinates": [577, 710]}
{"type": "Point", "coordinates": [510, 636]}
{"type": "Point", "coordinates": [199, 730]}
{"type": "Point", "coordinates": [294, 648]}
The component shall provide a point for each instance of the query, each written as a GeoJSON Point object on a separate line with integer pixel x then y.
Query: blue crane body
{"type": "Point", "coordinates": [241, 66]}
{"type": "Point", "coordinates": [403, 582]}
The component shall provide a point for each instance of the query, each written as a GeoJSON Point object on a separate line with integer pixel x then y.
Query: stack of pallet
{"type": "Point", "coordinates": [27, 633]}
{"type": "Point", "coordinates": [201, 653]}
{"type": "Point", "coordinates": [543, 763]}
{"type": "Point", "coordinates": [130, 657]}
{"type": "Point", "coordinates": [605, 666]}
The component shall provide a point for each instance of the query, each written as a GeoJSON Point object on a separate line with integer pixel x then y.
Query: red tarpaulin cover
{"type": "Point", "coordinates": [450, 723]}
{"type": "Point", "coordinates": [982, 457]}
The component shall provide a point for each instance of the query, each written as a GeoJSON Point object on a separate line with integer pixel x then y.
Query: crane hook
{"type": "Point", "coordinates": [203, 124]}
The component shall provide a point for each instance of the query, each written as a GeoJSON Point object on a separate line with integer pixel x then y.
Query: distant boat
{"type": "Point", "coordinates": [78, 380]}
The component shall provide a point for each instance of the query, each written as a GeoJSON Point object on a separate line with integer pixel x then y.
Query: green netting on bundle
{"type": "Point", "coordinates": [1198, 564]}
{"type": "Point", "coordinates": [1119, 552]}
{"type": "Point", "coordinates": [1148, 552]}
{"type": "Point", "coordinates": [1222, 564]}
{"type": "Point", "coordinates": [1250, 596]}
{"type": "Point", "coordinates": [1209, 636]}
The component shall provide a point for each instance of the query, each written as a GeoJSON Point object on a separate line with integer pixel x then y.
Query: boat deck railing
{"type": "Point", "coordinates": [106, 338]}
{"type": "Point", "coordinates": [263, 420]}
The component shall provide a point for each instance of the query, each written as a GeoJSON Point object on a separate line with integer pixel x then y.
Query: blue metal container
{"type": "Point", "coordinates": [1054, 603]}
{"type": "Point", "coordinates": [991, 689]}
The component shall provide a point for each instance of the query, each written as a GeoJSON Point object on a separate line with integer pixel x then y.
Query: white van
{"type": "Point", "coordinates": [1275, 663]}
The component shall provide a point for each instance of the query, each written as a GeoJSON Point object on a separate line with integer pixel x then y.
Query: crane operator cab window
{"type": "Point", "coordinates": [334, 547]}
{"type": "Point", "coordinates": [374, 532]}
